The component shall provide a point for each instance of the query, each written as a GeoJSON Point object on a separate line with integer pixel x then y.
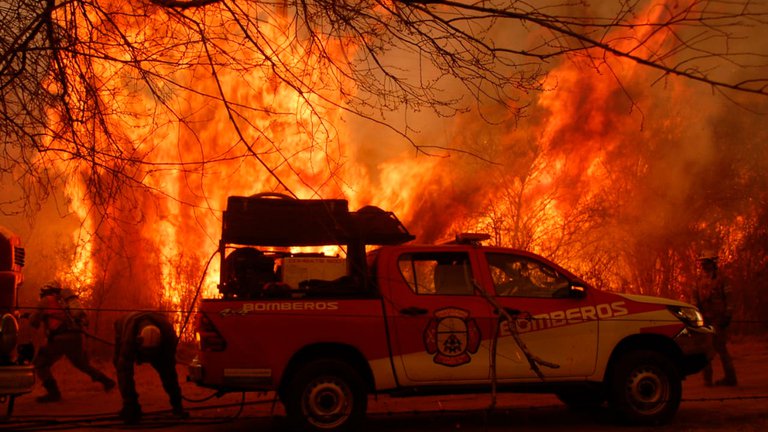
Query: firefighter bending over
{"type": "Point", "coordinates": [64, 329]}
{"type": "Point", "coordinates": [712, 297]}
{"type": "Point", "coordinates": [146, 337]}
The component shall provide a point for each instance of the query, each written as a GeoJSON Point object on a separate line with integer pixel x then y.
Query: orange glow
{"type": "Point", "coordinates": [194, 165]}
{"type": "Point", "coordinates": [586, 118]}
{"type": "Point", "coordinates": [191, 166]}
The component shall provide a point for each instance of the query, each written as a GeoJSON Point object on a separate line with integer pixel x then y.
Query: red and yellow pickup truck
{"type": "Point", "coordinates": [325, 332]}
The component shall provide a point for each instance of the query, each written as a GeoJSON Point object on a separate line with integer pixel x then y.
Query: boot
{"type": "Point", "coordinates": [728, 381]}
{"type": "Point", "coordinates": [130, 414]}
{"type": "Point", "coordinates": [178, 411]}
{"type": "Point", "coordinates": [53, 394]}
{"type": "Point", "coordinates": [108, 383]}
{"type": "Point", "coordinates": [730, 373]}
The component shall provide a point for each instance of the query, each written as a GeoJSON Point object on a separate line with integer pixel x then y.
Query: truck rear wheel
{"type": "Point", "coordinates": [645, 387]}
{"type": "Point", "coordinates": [326, 395]}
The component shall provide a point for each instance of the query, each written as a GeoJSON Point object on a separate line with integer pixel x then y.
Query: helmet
{"type": "Point", "coordinates": [707, 255]}
{"type": "Point", "coordinates": [51, 287]}
{"type": "Point", "coordinates": [150, 336]}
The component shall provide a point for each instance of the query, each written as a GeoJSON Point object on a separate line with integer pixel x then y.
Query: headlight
{"type": "Point", "coordinates": [689, 315]}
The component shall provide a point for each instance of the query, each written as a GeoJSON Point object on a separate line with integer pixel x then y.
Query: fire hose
{"type": "Point", "coordinates": [510, 318]}
{"type": "Point", "coordinates": [97, 338]}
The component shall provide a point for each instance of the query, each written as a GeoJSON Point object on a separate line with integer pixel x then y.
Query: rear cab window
{"type": "Point", "coordinates": [437, 273]}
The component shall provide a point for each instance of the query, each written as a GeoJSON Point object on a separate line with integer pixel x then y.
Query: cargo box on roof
{"type": "Point", "coordinates": [274, 221]}
{"type": "Point", "coordinates": [284, 222]}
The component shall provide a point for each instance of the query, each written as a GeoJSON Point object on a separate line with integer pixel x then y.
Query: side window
{"type": "Point", "coordinates": [429, 273]}
{"type": "Point", "coordinates": [517, 276]}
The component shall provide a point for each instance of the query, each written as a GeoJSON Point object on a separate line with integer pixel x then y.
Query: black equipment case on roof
{"type": "Point", "coordinates": [277, 220]}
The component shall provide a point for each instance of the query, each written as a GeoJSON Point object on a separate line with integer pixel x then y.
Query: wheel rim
{"type": "Point", "coordinates": [647, 390]}
{"type": "Point", "coordinates": [327, 403]}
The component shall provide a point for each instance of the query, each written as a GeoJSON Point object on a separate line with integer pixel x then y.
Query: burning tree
{"type": "Point", "coordinates": [147, 114]}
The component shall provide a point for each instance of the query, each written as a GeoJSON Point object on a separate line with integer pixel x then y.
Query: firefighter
{"type": "Point", "coordinates": [712, 297]}
{"type": "Point", "coordinates": [64, 330]}
{"type": "Point", "coordinates": [146, 337]}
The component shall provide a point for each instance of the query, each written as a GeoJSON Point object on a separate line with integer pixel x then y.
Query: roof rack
{"type": "Point", "coordinates": [473, 239]}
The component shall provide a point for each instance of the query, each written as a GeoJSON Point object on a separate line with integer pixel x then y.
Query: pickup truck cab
{"type": "Point", "coordinates": [407, 319]}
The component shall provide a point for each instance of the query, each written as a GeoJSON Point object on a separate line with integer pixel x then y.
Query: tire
{"type": "Point", "coordinates": [326, 395]}
{"type": "Point", "coordinates": [582, 399]}
{"type": "Point", "coordinates": [9, 329]}
{"type": "Point", "coordinates": [645, 387]}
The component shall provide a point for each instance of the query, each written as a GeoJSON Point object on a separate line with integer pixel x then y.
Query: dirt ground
{"type": "Point", "coordinates": [86, 407]}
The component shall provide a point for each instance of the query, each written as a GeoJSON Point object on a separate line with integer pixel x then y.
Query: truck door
{"type": "Point", "coordinates": [555, 322]}
{"type": "Point", "coordinates": [439, 324]}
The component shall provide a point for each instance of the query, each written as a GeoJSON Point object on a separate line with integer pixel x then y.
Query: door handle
{"type": "Point", "coordinates": [512, 311]}
{"type": "Point", "coordinates": [413, 311]}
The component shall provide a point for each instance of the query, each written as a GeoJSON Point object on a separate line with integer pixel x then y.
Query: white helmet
{"type": "Point", "coordinates": [707, 255]}
{"type": "Point", "coordinates": [150, 336]}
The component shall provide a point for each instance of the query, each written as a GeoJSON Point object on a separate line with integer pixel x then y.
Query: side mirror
{"type": "Point", "coordinates": [577, 292]}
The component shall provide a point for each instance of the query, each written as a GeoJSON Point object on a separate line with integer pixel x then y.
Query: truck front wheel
{"type": "Point", "coordinates": [645, 387]}
{"type": "Point", "coordinates": [326, 395]}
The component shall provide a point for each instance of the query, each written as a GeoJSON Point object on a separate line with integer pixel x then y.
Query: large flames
{"type": "Point", "coordinates": [217, 150]}
{"type": "Point", "coordinates": [244, 130]}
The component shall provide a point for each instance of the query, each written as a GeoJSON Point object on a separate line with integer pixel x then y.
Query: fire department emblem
{"type": "Point", "coordinates": [452, 336]}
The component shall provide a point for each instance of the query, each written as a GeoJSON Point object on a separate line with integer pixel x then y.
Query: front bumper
{"type": "Point", "coordinates": [16, 380]}
{"type": "Point", "coordinates": [697, 348]}
{"type": "Point", "coordinates": [230, 379]}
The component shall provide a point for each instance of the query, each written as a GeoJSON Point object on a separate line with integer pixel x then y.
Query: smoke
{"type": "Point", "coordinates": [619, 168]}
{"type": "Point", "coordinates": [47, 239]}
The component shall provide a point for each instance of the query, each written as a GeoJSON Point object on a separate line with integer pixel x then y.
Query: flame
{"type": "Point", "coordinates": [581, 128]}
{"type": "Point", "coordinates": [547, 174]}
{"type": "Point", "coordinates": [192, 166]}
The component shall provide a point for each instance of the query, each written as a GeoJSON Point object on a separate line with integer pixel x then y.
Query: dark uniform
{"type": "Point", "coordinates": [130, 349]}
{"type": "Point", "coordinates": [712, 297]}
{"type": "Point", "coordinates": [65, 338]}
